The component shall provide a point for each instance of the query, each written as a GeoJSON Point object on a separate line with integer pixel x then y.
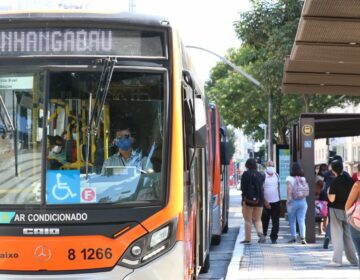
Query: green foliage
{"type": "Point", "coordinates": [267, 33]}
{"type": "Point", "coordinates": [231, 140]}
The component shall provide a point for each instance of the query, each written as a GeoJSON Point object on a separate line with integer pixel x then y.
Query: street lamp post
{"type": "Point", "coordinates": [258, 84]}
{"type": "Point", "coordinates": [264, 127]}
{"type": "Point", "coordinates": [270, 128]}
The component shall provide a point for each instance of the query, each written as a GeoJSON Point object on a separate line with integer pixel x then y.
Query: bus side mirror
{"type": "Point", "coordinates": [200, 132]}
{"type": "Point", "coordinates": [188, 79]}
{"type": "Point", "coordinates": [225, 153]}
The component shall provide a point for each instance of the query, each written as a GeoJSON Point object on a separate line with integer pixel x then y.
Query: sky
{"type": "Point", "coordinates": [202, 23]}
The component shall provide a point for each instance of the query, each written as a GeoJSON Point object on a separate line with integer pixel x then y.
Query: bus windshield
{"type": "Point", "coordinates": [123, 154]}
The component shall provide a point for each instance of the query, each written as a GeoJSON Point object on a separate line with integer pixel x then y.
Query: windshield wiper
{"type": "Point", "coordinates": [8, 126]}
{"type": "Point", "coordinates": [101, 93]}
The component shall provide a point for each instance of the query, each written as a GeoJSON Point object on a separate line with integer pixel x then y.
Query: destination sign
{"type": "Point", "coordinates": [79, 41]}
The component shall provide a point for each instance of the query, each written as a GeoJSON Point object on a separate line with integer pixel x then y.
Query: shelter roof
{"type": "Point", "coordinates": [325, 57]}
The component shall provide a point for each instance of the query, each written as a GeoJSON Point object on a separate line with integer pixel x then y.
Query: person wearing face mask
{"type": "Point", "coordinates": [271, 202]}
{"type": "Point", "coordinates": [57, 156]}
{"type": "Point", "coordinates": [125, 155]}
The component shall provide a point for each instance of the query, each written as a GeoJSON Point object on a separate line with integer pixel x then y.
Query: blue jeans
{"type": "Point", "coordinates": [355, 235]}
{"type": "Point", "coordinates": [297, 211]}
{"type": "Point", "coordinates": [327, 233]}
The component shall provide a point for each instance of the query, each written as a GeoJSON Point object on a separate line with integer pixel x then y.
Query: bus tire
{"type": "Point", "coordinates": [226, 228]}
{"type": "Point", "coordinates": [205, 268]}
{"type": "Point", "coordinates": [216, 239]}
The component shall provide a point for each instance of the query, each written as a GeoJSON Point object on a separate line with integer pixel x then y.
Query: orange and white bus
{"type": "Point", "coordinates": [103, 150]}
{"type": "Point", "coordinates": [219, 162]}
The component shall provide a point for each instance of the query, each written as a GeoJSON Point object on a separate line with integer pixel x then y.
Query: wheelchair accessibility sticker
{"type": "Point", "coordinates": [63, 186]}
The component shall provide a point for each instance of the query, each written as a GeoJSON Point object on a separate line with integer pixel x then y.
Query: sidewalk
{"type": "Point", "coordinates": [285, 261]}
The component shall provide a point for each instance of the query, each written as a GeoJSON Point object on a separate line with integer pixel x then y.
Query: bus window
{"type": "Point", "coordinates": [123, 162]}
{"type": "Point", "coordinates": [21, 111]}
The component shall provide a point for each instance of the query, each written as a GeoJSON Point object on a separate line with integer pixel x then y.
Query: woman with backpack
{"type": "Point", "coordinates": [252, 200]}
{"type": "Point", "coordinates": [339, 228]}
{"type": "Point", "coordinates": [297, 189]}
{"type": "Point", "coordinates": [353, 198]}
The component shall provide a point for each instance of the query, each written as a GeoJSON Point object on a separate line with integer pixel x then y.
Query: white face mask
{"type": "Point", "coordinates": [270, 169]}
{"type": "Point", "coordinates": [57, 149]}
{"type": "Point", "coordinates": [74, 136]}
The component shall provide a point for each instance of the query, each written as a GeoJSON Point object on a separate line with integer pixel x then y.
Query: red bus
{"type": "Point", "coordinates": [220, 174]}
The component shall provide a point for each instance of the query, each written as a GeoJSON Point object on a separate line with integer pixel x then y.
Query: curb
{"type": "Point", "coordinates": [238, 254]}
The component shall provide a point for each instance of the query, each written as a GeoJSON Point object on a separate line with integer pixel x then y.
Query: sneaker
{"type": "Point", "coordinates": [273, 241]}
{"type": "Point", "coordinates": [326, 243]}
{"type": "Point", "coordinates": [303, 241]}
{"type": "Point", "coordinates": [245, 242]}
{"type": "Point", "coordinates": [262, 239]}
{"type": "Point", "coordinates": [292, 240]}
{"type": "Point", "coordinates": [334, 264]}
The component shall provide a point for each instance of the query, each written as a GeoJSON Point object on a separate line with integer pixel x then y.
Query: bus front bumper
{"type": "Point", "coordinates": [167, 266]}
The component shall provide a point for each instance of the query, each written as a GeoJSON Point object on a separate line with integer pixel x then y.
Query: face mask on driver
{"type": "Point", "coordinates": [124, 143]}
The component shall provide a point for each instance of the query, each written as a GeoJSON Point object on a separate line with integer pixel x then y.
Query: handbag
{"type": "Point", "coordinates": [321, 209]}
{"type": "Point", "coordinates": [353, 215]}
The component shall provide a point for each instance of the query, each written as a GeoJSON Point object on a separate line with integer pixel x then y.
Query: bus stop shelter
{"type": "Point", "coordinates": [325, 59]}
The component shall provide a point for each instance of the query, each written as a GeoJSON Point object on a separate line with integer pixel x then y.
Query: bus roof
{"type": "Point", "coordinates": [78, 15]}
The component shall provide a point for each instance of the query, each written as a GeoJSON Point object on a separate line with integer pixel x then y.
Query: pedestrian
{"type": "Point", "coordinates": [340, 229]}
{"type": "Point", "coordinates": [355, 234]}
{"type": "Point", "coordinates": [252, 200]}
{"type": "Point", "coordinates": [329, 177]}
{"type": "Point", "coordinates": [321, 199]}
{"type": "Point", "coordinates": [271, 202]}
{"type": "Point", "coordinates": [297, 190]}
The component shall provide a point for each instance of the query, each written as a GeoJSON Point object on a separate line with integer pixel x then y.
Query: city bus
{"type": "Point", "coordinates": [103, 149]}
{"type": "Point", "coordinates": [220, 174]}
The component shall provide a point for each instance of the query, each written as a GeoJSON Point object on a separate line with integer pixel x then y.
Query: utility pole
{"type": "Point", "coordinates": [270, 127]}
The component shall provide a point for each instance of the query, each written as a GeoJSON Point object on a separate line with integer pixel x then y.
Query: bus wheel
{"type": "Point", "coordinates": [206, 266]}
{"type": "Point", "coordinates": [216, 239]}
{"type": "Point", "coordinates": [226, 228]}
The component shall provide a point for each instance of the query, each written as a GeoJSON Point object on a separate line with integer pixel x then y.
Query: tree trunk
{"type": "Point", "coordinates": [282, 139]}
{"type": "Point", "coordinates": [306, 102]}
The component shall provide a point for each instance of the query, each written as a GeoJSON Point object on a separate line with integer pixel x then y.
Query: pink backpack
{"type": "Point", "coordinates": [300, 189]}
{"type": "Point", "coordinates": [353, 215]}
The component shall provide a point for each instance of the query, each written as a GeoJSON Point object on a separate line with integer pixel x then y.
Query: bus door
{"type": "Point", "coordinates": [21, 115]}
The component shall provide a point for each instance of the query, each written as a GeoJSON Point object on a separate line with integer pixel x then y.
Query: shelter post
{"type": "Point", "coordinates": [306, 133]}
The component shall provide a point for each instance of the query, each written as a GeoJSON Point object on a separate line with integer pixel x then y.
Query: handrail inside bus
{"type": "Point", "coordinates": [7, 116]}
{"type": "Point", "coordinates": [101, 93]}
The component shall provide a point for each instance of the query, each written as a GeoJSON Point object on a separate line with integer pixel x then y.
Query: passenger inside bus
{"type": "Point", "coordinates": [57, 156]}
{"type": "Point", "coordinates": [70, 143]}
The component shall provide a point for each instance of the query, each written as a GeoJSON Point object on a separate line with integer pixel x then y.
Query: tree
{"type": "Point", "coordinates": [231, 140]}
{"type": "Point", "coordinates": [267, 33]}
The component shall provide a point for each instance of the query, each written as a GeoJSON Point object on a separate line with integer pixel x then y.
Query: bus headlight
{"type": "Point", "coordinates": [159, 236]}
{"type": "Point", "coordinates": [150, 246]}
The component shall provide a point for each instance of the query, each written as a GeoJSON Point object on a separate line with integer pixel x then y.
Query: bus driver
{"type": "Point", "coordinates": [125, 155]}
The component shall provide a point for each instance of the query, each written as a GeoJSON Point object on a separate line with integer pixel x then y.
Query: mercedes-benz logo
{"type": "Point", "coordinates": [42, 253]}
